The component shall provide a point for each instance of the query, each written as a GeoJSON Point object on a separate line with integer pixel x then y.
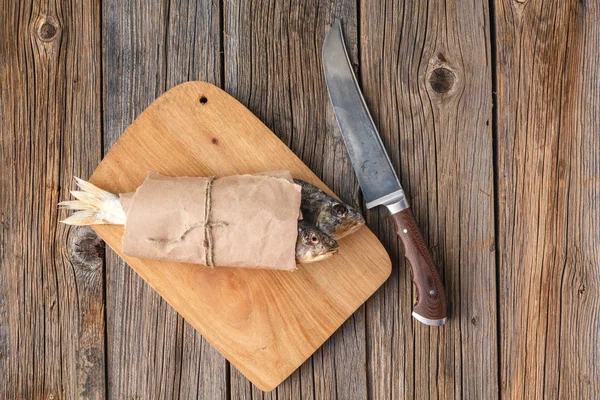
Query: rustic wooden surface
{"type": "Point", "coordinates": [548, 195]}
{"type": "Point", "coordinates": [427, 78]}
{"type": "Point", "coordinates": [507, 197]}
{"type": "Point", "coordinates": [52, 312]}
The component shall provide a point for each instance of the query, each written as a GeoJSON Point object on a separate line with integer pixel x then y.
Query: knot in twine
{"type": "Point", "coordinates": [206, 225]}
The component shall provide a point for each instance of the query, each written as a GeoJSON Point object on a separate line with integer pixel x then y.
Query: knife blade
{"type": "Point", "coordinates": [376, 175]}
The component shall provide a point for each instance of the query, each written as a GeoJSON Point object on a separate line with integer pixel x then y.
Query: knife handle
{"type": "Point", "coordinates": [431, 305]}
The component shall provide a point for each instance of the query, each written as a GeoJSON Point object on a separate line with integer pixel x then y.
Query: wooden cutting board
{"type": "Point", "coordinates": [266, 323]}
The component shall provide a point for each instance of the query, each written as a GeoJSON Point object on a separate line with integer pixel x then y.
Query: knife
{"type": "Point", "coordinates": [378, 180]}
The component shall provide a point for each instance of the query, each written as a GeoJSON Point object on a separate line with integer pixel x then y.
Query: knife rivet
{"type": "Point", "coordinates": [405, 231]}
{"type": "Point", "coordinates": [432, 292]}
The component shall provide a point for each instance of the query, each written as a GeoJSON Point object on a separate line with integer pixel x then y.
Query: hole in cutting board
{"type": "Point", "coordinates": [203, 100]}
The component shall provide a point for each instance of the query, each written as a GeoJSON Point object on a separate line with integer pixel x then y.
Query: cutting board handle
{"type": "Point", "coordinates": [430, 307]}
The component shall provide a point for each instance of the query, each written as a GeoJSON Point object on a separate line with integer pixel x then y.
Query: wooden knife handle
{"type": "Point", "coordinates": [431, 298]}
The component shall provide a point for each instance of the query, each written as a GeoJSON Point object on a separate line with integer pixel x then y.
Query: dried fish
{"type": "Point", "coordinates": [95, 206]}
{"type": "Point", "coordinates": [334, 217]}
{"type": "Point", "coordinates": [313, 245]}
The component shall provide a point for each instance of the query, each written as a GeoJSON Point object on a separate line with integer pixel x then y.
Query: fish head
{"type": "Point", "coordinates": [338, 219]}
{"type": "Point", "coordinates": [313, 244]}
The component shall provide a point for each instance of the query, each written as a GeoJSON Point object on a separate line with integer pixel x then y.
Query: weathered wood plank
{"type": "Point", "coordinates": [548, 165]}
{"type": "Point", "coordinates": [426, 74]}
{"type": "Point", "coordinates": [273, 66]}
{"type": "Point", "coordinates": [51, 276]}
{"type": "Point", "coordinates": [148, 49]}
{"type": "Point", "coordinates": [193, 54]}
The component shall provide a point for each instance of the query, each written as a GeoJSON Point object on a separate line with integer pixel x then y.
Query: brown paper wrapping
{"type": "Point", "coordinates": [252, 220]}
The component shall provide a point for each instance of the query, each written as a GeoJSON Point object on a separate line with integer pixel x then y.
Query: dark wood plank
{"type": "Point", "coordinates": [426, 74]}
{"type": "Point", "coordinates": [148, 49]}
{"type": "Point", "coordinates": [51, 276]}
{"type": "Point", "coordinates": [273, 66]}
{"type": "Point", "coordinates": [548, 164]}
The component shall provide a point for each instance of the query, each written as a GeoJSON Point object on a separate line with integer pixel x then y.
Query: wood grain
{"type": "Point", "coordinates": [51, 277]}
{"type": "Point", "coordinates": [266, 323]}
{"type": "Point", "coordinates": [273, 66]}
{"type": "Point", "coordinates": [425, 68]}
{"type": "Point", "coordinates": [548, 168]}
{"type": "Point", "coordinates": [149, 48]}
{"type": "Point", "coordinates": [426, 74]}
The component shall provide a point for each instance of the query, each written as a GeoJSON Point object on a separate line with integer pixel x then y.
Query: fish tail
{"type": "Point", "coordinates": [93, 206]}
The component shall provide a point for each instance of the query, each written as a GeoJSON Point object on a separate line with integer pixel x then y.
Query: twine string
{"type": "Point", "coordinates": [206, 225]}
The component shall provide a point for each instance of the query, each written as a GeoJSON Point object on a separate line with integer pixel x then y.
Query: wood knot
{"type": "Point", "coordinates": [86, 249]}
{"type": "Point", "coordinates": [442, 80]}
{"type": "Point", "coordinates": [47, 31]}
{"type": "Point", "coordinates": [474, 320]}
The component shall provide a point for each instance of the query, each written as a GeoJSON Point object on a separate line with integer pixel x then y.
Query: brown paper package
{"type": "Point", "coordinates": [253, 220]}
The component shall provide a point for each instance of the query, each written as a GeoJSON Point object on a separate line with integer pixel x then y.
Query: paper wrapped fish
{"type": "Point", "coordinates": [240, 221]}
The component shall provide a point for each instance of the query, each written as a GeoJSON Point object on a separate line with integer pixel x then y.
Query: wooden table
{"type": "Point", "coordinates": [490, 112]}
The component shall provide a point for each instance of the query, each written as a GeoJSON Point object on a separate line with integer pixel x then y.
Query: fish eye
{"type": "Point", "coordinates": [340, 210]}
{"type": "Point", "coordinates": [314, 238]}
